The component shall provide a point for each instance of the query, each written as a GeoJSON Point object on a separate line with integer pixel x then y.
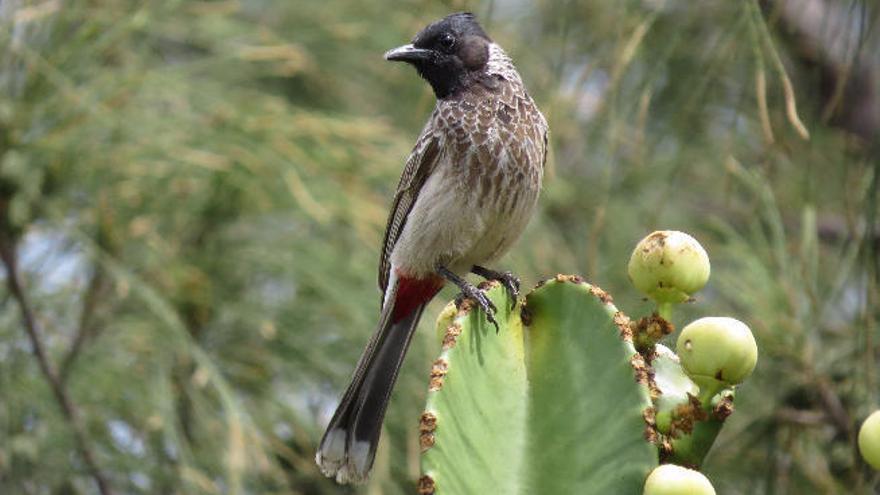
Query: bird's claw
{"type": "Point", "coordinates": [473, 293]}
{"type": "Point", "coordinates": [478, 296]}
{"type": "Point", "coordinates": [488, 307]}
{"type": "Point", "coordinates": [507, 279]}
{"type": "Point", "coordinates": [511, 283]}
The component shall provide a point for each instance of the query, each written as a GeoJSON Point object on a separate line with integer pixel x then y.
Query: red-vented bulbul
{"type": "Point", "coordinates": [466, 194]}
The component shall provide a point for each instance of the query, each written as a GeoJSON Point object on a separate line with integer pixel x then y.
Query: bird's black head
{"type": "Point", "coordinates": [448, 53]}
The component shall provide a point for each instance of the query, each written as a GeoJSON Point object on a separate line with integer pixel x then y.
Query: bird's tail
{"type": "Point", "coordinates": [349, 444]}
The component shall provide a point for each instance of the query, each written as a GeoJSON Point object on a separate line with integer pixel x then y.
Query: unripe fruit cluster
{"type": "Point", "coordinates": [716, 353]}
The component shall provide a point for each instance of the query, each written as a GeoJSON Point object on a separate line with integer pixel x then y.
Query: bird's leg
{"type": "Point", "coordinates": [471, 291]}
{"type": "Point", "coordinates": [507, 279]}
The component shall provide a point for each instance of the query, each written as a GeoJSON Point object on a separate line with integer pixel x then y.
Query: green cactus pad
{"type": "Point", "coordinates": [551, 405]}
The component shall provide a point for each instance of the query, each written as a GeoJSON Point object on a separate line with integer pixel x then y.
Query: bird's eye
{"type": "Point", "coordinates": [447, 42]}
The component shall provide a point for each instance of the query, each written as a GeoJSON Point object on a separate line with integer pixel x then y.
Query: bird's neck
{"type": "Point", "coordinates": [499, 63]}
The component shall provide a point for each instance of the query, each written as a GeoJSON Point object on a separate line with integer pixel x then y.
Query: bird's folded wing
{"type": "Point", "coordinates": [419, 166]}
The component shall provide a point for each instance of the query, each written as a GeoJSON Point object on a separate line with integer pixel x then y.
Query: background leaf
{"type": "Point", "coordinates": [236, 159]}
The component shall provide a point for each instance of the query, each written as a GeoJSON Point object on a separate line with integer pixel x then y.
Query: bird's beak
{"type": "Point", "coordinates": [408, 53]}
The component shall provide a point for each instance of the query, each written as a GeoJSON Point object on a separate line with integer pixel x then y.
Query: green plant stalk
{"type": "Point", "coordinates": [691, 449]}
{"type": "Point", "coordinates": [664, 309]}
{"type": "Point", "coordinates": [709, 389]}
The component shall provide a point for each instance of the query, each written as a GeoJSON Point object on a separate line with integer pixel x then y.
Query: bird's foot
{"type": "Point", "coordinates": [472, 292]}
{"type": "Point", "coordinates": [507, 279]}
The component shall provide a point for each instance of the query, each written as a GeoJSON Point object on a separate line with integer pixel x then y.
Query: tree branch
{"type": "Point", "coordinates": [86, 328]}
{"type": "Point", "coordinates": [68, 408]}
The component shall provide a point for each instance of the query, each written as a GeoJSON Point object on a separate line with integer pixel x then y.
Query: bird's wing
{"type": "Point", "coordinates": [421, 162]}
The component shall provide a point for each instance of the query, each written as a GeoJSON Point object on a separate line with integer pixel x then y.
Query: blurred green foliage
{"type": "Point", "coordinates": [198, 192]}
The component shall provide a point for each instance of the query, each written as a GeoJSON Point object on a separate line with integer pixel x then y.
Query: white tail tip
{"type": "Point", "coordinates": [346, 463]}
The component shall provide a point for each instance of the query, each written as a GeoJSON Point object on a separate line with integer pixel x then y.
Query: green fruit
{"type": "Point", "coordinates": [869, 440]}
{"type": "Point", "coordinates": [669, 266]}
{"type": "Point", "coordinates": [670, 479]}
{"type": "Point", "coordinates": [718, 348]}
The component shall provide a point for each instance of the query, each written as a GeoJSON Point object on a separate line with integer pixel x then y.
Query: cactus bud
{"type": "Point", "coordinates": [669, 266]}
{"type": "Point", "coordinates": [718, 348]}
{"type": "Point", "coordinates": [674, 385]}
{"type": "Point", "coordinates": [669, 479]}
{"type": "Point", "coordinates": [869, 440]}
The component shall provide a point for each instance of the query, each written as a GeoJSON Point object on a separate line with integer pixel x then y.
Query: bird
{"type": "Point", "coordinates": [467, 191]}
